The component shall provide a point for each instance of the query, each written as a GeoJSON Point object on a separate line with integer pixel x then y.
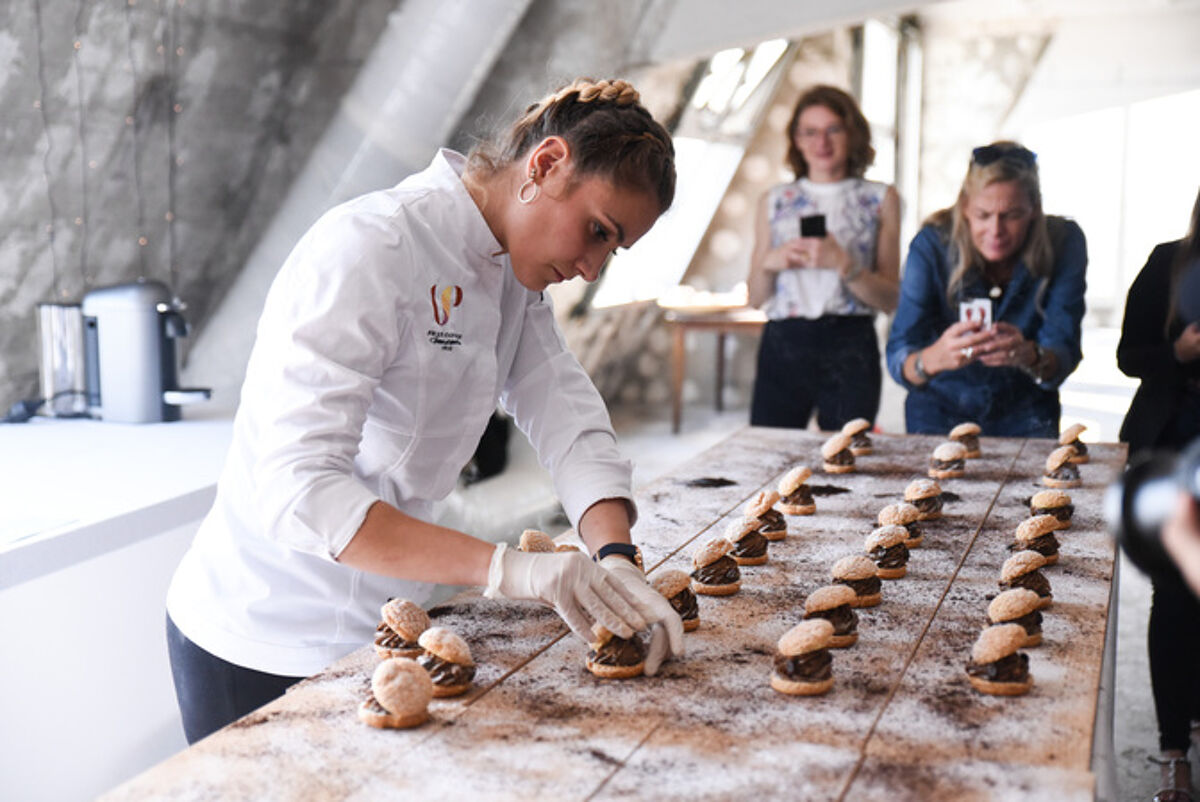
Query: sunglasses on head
{"type": "Point", "coordinates": [987, 154]}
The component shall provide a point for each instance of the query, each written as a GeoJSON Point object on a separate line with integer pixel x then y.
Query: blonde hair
{"type": "Point", "coordinates": [1037, 252]}
{"type": "Point", "coordinates": [609, 132]}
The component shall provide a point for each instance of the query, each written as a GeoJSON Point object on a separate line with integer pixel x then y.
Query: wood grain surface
{"type": "Point", "coordinates": [901, 721]}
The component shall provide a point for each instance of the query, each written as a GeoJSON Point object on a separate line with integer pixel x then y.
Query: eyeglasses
{"type": "Point", "coordinates": [988, 154]}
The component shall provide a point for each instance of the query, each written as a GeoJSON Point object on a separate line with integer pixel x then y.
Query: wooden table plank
{"type": "Point", "coordinates": [538, 724]}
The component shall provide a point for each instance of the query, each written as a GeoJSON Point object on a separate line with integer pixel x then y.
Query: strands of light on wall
{"type": "Point", "coordinates": [81, 221]}
{"type": "Point", "coordinates": [40, 105]}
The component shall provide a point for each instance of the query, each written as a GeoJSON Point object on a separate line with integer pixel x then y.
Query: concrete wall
{"type": "Point", "coordinates": [154, 139]}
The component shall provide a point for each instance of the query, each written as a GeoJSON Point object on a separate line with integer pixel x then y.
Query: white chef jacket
{"type": "Point", "coordinates": [386, 340]}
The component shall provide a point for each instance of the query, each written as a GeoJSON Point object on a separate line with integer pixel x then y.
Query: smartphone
{"type": "Point", "coordinates": [976, 310]}
{"type": "Point", "coordinates": [812, 225]}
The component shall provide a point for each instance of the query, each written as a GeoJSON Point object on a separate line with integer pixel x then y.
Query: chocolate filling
{"type": "Point", "coordinates": [811, 667]}
{"type": "Point", "coordinates": [860, 440]}
{"type": "Point", "coordinates": [1062, 513]}
{"type": "Point", "coordinates": [374, 707]}
{"type": "Point", "coordinates": [685, 603]}
{"type": "Point", "coordinates": [388, 638]}
{"type": "Point", "coordinates": [771, 521]}
{"type": "Point", "coordinates": [844, 620]}
{"type": "Point", "coordinates": [928, 504]}
{"type": "Point", "coordinates": [1014, 668]}
{"type": "Point", "coordinates": [751, 544]}
{"type": "Point", "coordinates": [843, 457]}
{"type": "Point", "coordinates": [1067, 472]}
{"type": "Point", "coordinates": [1031, 621]}
{"type": "Point", "coordinates": [1034, 580]}
{"type": "Point", "coordinates": [1080, 447]}
{"type": "Point", "coordinates": [1046, 545]}
{"type": "Point", "coordinates": [945, 465]}
{"type": "Point", "coordinates": [619, 652]}
{"type": "Point", "coordinates": [722, 571]}
{"type": "Point", "coordinates": [969, 441]}
{"type": "Point", "coordinates": [862, 587]}
{"type": "Point", "coordinates": [444, 672]}
{"type": "Point", "coordinates": [914, 531]}
{"type": "Point", "coordinates": [891, 557]}
{"type": "Point", "coordinates": [802, 496]}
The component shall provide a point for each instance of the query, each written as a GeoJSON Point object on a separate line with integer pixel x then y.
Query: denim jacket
{"type": "Point", "coordinates": [1049, 312]}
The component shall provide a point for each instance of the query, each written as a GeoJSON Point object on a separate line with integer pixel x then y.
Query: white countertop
{"type": "Point", "coordinates": [70, 479]}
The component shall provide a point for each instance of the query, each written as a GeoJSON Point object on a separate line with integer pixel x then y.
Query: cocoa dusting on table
{"type": "Point", "coordinates": [709, 481]}
{"type": "Point", "coordinates": [827, 490]}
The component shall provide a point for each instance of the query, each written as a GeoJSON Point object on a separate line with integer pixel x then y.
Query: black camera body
{"type": "Point", "coordinates": [1138, 504]}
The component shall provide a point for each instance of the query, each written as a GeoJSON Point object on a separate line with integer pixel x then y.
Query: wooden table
{"type": "Point", "coordinates": [741, 319]}
{"type": "Point", "coordinates": [901, 722]}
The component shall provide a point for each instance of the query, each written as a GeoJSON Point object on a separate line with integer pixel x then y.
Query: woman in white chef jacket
{"type": "Point", "coordinates": [386, 340]}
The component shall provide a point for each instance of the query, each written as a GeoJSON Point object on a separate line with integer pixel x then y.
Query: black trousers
{"type": "Point", "coordinates": [1174, 644]}
{"type": "Point", "coordinates": [830, 364]}
{"type": "Point", "coordinates": [212, 692]}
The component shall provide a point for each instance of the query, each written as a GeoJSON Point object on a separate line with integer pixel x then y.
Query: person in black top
{"type": "Point", "coordinates": [1162, 349]}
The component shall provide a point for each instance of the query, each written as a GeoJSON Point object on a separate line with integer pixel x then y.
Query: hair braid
{"type": "Point", "coordinates": [608, 130]}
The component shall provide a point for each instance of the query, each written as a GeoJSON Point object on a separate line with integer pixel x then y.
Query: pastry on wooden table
{"type": "Point", "coordinates": [967, 434]}
{"type": "Point", "coordinates": [1053, 502]}
{"type": "Point", "coordinates": [1018, 606]}
{"type": "Point", "coordinates": [997, 667]}
{"type": "Point", "coordinates": [836, 454]}
{"type": "Point", "coordinates": [926, 496]}
{"type": "Point", "coordinates": [796, 496]}
{"type": "Point", "coordinates": [448, 660]}
{"type": "Point", "coordinates": [948, 461]}
{"type": "Point", "coordinates": [611, 657]}
{"type": "Point", "coordinates": [1060, 471]}
{"type": "Point", "coordinates": [1070, 437]}
{"type": "Point", "coordinates": [714, 572]}
{"type": "Point", "coordinates": [835, 603]}
{"type": "Point", "coordinates": [676, 587]}
{"type": "Point", "coordinates": [533, 540]}
{"type": "Point", "coordinates": [400, 694]}
{"type": "Point", "coordinates": [768, 520]}
{"type": "Point", "coordinates": [857, 572]}
{"type": "Point", "coordinates": [1022, 570]}
{"type": "Point", "coordinates": [1037, 534]}
{"type": "Point", "coordinates": [402, 624]}
{"type": "Point", "coordinates": [885, 546]}
{"type": "Point", "coordinates": [907, 515]}
{"type": "Point", "coordinates": [749, 545]}
{"type": "Point", "coordinates": [859, 432]}
{"type": "Point", "coordinates": [803, 664]}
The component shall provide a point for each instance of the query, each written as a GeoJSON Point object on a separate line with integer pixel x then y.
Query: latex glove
{"type": "Point", "coordinates": [666, 627]}
{"type": "Point", "coordinates": [579, 590]}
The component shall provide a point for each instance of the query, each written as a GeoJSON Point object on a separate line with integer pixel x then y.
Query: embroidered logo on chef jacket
{"type": "Point", "coordinates": [449, 297]}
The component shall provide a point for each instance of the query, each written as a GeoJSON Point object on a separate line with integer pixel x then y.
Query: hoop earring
{"type": "Point", "coordinates": [521, 192]}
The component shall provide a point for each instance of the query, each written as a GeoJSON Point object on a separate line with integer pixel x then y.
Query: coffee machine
{"type": "Point", "coordinates": [132, 371]}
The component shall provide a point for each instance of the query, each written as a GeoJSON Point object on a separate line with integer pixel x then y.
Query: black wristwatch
{"type": "Point", "coordinates": [626, 550]}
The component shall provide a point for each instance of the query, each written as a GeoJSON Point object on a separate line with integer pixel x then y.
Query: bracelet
{"type": "Point", "coordinates": [854, 272]}
{"type": "Point", "coordinates": [1034, 369]}
{"type": "Point", "coordinates": [919, 368]}
{"type": "Point", "coordinates": [626, 550]}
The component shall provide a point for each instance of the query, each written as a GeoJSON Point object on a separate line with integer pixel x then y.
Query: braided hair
{"type": "Point", "coordinates": [610, 134]}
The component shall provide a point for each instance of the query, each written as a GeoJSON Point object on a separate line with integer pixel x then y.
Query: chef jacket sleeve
{"type": "Point", "coordinates": [328, 330]}
{"type": "Point", "coordinates": [555, 404]}
{"type": "Point", "coordinates": [1062, 323]}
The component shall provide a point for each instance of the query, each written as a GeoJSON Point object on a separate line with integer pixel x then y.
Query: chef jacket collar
{"type": "Point", "coordinates": [477, 236]}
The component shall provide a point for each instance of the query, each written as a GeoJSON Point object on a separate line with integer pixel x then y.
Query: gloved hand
{"type": "Point", "coordinates": [579, 590]}
{"type": "Point", "coordinates": [666, 627]}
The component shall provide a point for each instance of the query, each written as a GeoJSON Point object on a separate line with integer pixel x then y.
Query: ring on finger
{"type": "Point", "coordinates": [969, 351]}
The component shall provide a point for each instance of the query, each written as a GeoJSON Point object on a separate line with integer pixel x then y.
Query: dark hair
{"type": "Point", "coordinates": [860, 154]}
{"type": "Point", "coordinates": [1188, 253]}
{"type": "Point", "coordinates": [609, 133]}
